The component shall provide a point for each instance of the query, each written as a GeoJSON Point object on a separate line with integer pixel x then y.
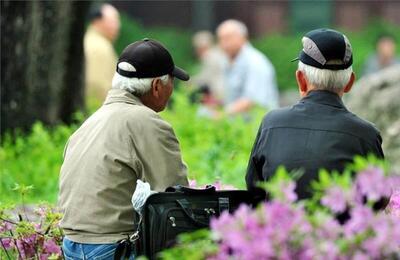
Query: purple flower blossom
{"type": "Point", "coordinates": [394, 205]}
{"type": "Point", "coordinates": [373, 184]}
{"type": "Point", "coordinates": [51, 247]}
{"type": "Point", "coordinates": [359, 222]}
{"type": "Point", "coordinates": [192, 184]}
{"type": "Point", "coordinates": [5, 226]}
{"type": "Point", "coordinates": [288, 191]}
{"type": "Point", "coordinates": [335, 199]}
{"type": "Point", "coordinates": [26, 246]}
{"type": "Point", "coordinates": [7, 243]}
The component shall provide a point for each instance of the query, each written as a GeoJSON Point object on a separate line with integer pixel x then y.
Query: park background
{"type": "Point", "coordinates": [42, 75]}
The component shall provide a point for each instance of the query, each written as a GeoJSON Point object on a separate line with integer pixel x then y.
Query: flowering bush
{"type": "Point", "coordinates": [344, 220]}
{"type": "Point", "coordinates": [31, 234]}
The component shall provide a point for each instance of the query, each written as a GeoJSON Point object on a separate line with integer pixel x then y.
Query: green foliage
{"type": "Point", "coordinates": [33, 162]}
{"type": "Point", "coordinates": [213, 150]}
{"type": "Point", "coordinates": [197, 246]}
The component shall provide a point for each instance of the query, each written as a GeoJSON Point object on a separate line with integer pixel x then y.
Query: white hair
{"type": "Point", "coordinates": [136, 86]}
{"type": "Point", "coordinates": [324, 79]}
{"type": "Point", "coordinates": [238, 25]}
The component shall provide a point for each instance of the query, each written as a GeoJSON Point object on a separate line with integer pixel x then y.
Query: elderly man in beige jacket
{"type": "Point", "coordinates": [100, 56]}
{"type": "Point", "coordinates": [122, 142]}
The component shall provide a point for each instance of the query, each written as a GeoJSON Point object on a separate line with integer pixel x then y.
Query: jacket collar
{"type": "Point", "coordinates": [324, 97]}
{"type": "Point", "coordinates": [121, 96]}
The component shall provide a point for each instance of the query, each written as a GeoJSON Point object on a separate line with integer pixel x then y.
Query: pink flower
{"type": "Point", "coordinates": [192, 184]}
{"type": "Point", "coordinates": [335, 199]}
{"type": "Point", "coordinates": [7, 242]}
{"type": "Point", "coordinates": [373, 184]}
{"type": "Point", "coordinates": [394, 205]}
{"type": "Point", "coordinates": [51, 247]}
{"type": "Point", "coordinates": [359, 222]}
{"type": "Point", "coordinates": [5, 226]}
{"type": "Point", "coordinates": [26, 246]}
{"type": "Point", "coordinates": [288, 191]}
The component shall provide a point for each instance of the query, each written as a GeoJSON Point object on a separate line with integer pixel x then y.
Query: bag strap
{"type": "Point", "coordinates": [184, 204]}
{"type": "Point", "coordinates": [209, 189]}
{"type": "Point", "coordinates": [126, 246]}
{"type": "Point", "coordinates": [223, 204]}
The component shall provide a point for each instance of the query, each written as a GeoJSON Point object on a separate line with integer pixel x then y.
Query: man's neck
{"type": "Point", "coordinates": [340, 93]}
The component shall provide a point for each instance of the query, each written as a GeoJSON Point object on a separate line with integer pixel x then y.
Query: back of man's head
{"type": "Point", "coordinates": [146, 69]}
{"type": "Point", "coordinates": [326, 60]}
{"type": "Point", "coordinates": [325, 79]}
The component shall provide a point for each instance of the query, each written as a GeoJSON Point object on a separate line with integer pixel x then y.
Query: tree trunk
{"type": "Point", "coordinates": [41, 61]}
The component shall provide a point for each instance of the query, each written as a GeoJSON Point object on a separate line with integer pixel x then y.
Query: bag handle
{"type": "Point", "coordinates": [223, 204]}
{"type": "Point", "coordinates": [209, 189]}
{"type": "Point", "coordinates": [184, 204]}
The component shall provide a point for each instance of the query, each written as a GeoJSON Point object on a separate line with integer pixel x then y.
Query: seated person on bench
{"type": "Point", "coordinates": [317, 132]}
{"type": "Point", "coordinates": [123, 141]}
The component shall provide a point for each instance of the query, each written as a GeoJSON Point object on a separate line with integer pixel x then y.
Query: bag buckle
{"type": "Point", "coordinates": [135, 236]}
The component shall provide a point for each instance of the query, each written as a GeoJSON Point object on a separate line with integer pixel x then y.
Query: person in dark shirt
{"type": "Point", "coordinates": [317, 132]}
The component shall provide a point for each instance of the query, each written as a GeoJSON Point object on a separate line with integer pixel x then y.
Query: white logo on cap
{"type": "Point", "coordinates": [126, 66]}
{"type": "Point", "coordinates": [312, 50]}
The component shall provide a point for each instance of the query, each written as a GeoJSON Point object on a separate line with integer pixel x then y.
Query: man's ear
{"type": "Point", "coordinates": [301, 82]}
{"type": "Point", "coordinates": [349, 85]}
{"type": "Point", "coordinates": [155, 87]}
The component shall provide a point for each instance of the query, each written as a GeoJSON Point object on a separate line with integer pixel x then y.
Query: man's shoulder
{"type": "Point", "coordinates": [362, 126]}
{"type": "Point", "coordinates": [143, 117]}
{"type": "Point", "coordinates": [346, 122]}
{"type": "Point", "coordinates": [137, 111]}
{"type": "Point", "coordinates": [278, 116]}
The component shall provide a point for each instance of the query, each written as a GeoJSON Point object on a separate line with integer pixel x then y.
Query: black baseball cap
{"type": "Point", "coordinates": [150, 59]}
{"type": "Point", "coordinates": [322, 46]}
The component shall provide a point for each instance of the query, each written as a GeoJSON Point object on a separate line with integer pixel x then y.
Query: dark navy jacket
{"type": "Point", "coordinates": [317, 132]}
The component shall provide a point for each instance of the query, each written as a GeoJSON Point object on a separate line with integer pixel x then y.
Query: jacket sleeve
{"type": "Point", "coordinates": [159, 157]}
{"type": "Point", "coordinates": [254, 172]}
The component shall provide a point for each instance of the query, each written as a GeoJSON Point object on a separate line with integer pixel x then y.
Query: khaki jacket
{"type": "Point", "coordinates": [120, 143]}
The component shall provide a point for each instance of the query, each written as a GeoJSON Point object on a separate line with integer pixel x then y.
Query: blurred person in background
{"type": "Point", "coordinates": [249, 75]}
{"type": "Point", "coordinates": [384, 57]}
{"type": "Point", "coordinates": [317, 132]}
{"type": "Point", "coordinates": [100, 56]}
{"type": "Point", "coordinates": [210, 78]}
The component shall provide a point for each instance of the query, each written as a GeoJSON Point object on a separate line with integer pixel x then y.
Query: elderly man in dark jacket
{"type": "Point", "coordinates": [318, 131]}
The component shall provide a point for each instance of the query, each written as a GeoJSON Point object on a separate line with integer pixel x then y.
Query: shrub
{"type": "Point", "coordinates": [213, 150]}
{"type": "Point", "coordinates": [27, 235]}
{"type": "Point", "coordinates": [33, 159]}
{"type": "Point", "coordinates": [342, 221]}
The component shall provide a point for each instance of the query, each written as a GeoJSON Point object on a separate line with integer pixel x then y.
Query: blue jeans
{"type": "Point", "coordinates": [79, 251]}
